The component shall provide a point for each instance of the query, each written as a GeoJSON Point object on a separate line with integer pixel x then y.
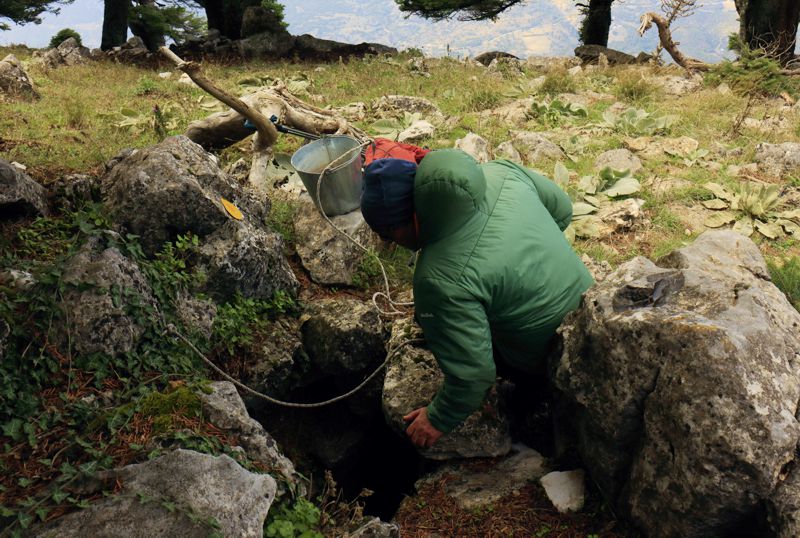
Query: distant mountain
{"type": "Point", "coordinates": [539, 27]}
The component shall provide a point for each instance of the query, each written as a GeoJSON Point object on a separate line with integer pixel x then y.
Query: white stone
{"type": "Point", "coordinates": [565, 489]}
{"type": "Point", "coordinates": [186, 79]}
{"type": "Point", "coordinates": [419, 130]}
{"type": "Point", "coordinates": [618, 159]}
{"type": "Point", "coordinates": [165, 75]}
{"type": "Point", "coordinates": [506, 150]}
{"type": "Point", "coordinates": [476, 146]}
{"type": "Point", "coordinates": [574, 70]}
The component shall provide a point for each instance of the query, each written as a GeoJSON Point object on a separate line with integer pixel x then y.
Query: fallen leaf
{"type": "Point", "coordinates": [232, 210]}
{"type": "Point", "coordinates": [715, 203]}
{"type": "Point", "coordinates": [717, 220]}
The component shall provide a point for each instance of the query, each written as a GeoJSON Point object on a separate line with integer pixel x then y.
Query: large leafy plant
{"type": "Point", "coordinates": [591, 193]}
{"type": "Point", "coordinates": [390, 128]}
{"type": "Point", "coordinates": [554, 112]}
{"type": "Point", "coordinates": [637, 122]}
{"type": "Point", "coordinates": [751, 207]}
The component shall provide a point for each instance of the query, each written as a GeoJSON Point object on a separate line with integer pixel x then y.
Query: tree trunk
{"type": "Point", "coordinates": [770, 25]}
{"type": "Point", "coordinates": [139, 26]}
{"type": "Point", "coordinates": [115, 23]}
{"type": "Point", "coordinates": [214, 15]}
{"type": "Point", "coordinates": [226, 15]}
{"type": "Point", "coordinates": [596, 22]}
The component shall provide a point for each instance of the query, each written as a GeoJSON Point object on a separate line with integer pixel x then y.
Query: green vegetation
{"type": "Point", "coordinates": [558, 81]}
{"type": "Point", "coordinates": [63, 35]}
{"type": "Point", "coordinates": [786, 276]}
{"type": "Point", "coordinates": [633, 87]}
{"type": "Point", "coordinates": [754, 72]}
{"type": "Point", "coordinates": [298, 520]}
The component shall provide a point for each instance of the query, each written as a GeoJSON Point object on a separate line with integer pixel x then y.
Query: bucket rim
{"type": "Point", "coordinates": [322, 139]}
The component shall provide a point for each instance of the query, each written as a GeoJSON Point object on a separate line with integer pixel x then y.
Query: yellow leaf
{"type": "Point", "coordinates": [232, 210]}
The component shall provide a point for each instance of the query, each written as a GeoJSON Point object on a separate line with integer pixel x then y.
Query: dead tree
{"type": "Point", "coordinates": [665, 37]}
{"type": "Point", "coordinates": [675, 9]}
{"type": "Point", "coordinates": [226, 128]}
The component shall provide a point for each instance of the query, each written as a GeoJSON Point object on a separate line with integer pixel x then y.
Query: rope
{"type": "Point", "coordinates": [387, 294]}
{"type": "Point", "coordinates": [171, 328]}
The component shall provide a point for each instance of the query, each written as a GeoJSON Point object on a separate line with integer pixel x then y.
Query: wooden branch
{"type": "Point", "coordinates": [665, 36]}
{"type": "Point", "coordinates": [267, 132]}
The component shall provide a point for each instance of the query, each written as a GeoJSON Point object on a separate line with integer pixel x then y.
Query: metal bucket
{"type": "Point", "coordinates": [341, 186]}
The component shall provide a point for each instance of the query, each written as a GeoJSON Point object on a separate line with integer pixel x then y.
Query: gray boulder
{"type": "Point", "coordinates": [242, 258]}
{"type": "Point", "coordinates": [506, 150]}
{"type": "Point", "coordinates": [590, 54]}
{"type": "Point", "coordinates": [68, 53]}
{"type": "Point", "coordinates": [486, 58]}
{"type": "Point", "coordinates": [204, 490]}
{"type": "Point", "coordinates": [71, 191]}
{"type": "Point", "coordinates": [15, 81]}
{"type": "Point", "coordinates": [395, 105]}
{"type": "Point", "coordinates": [778, 159]}
{"type": "Point", "coordinates": [328, 256]}
{"type": "Point", "coordinates": [534, 147]}
{"type": "Point", "coordinates": [266, 45]}
{"type": "Point", "coordinates": [196, 313]}
{"type": "Point", "coordinates": [95, 321]}
{"type": "Point", "coordinates": [475, 488]}
{"type": "Point", "coordinates": [19, 194]}
{"type": "Point", "coordinates": [618, 159]}
{"type": "Point", "coordinates": [678, 86]}
{"type": "Point", "coordinates": [132, 51]}
{"type": "Point", "coordinates": [416, 132]}
{"type": "Point", "coordinates": [225, 409]}
{"type": "Point", "coordinates": [515, 113]}
{"type": "Point", "coordinates": [476, 146]}
{"type": "Point", "coordinates": [681, 381]}
{"type": "Point", "coordinates": [344, 335]}
{"type": "Point", "coordinates": [173, 188]}
{"type": "Point", "coordinates": [279, 355]}
{"type": "Point", "coordinates": [412, 379]}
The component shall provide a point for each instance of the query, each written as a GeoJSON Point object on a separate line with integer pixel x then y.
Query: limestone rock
{"type": "Point", "coordinates": [225, 409]}
{"type": "Point", "coordinates": [375, 528]}
{"type": "Point", "coordinates": [197, 484]}
{"type": "Point", "coordinates": [242, 258]}
{"type": "Point", "coordinates": [678, 86]}
{"type": "Point", "coordinates": [412, 379]}
{"type": "Point", "coordinates": [650, 147]}
{"type": "Point", "coordinates": [506, 150]}
{"type": "Point", "coordinates": [681, 380]}
{"type": "Point", "coordinates": [133, 51]}
{"type": "Point", "coordinates": [590, 54]}
{"type": "Point", "coordinates": [397, 104]}
{"type": "Point", "coordinates": [506, 67]}
{"type": "Point", "coordinates": [96, 323]}
{"type": "Point", "coordinates": [69, 52]}
{"type": "Point", "coordinates": [476, 146]}
{"type": "Point", "coordinates": [778, 159]}
{"type": "Point", "coordinates": [514, 113]}
{"type": "Point", "coordinates": [71, 191]}
{"type": "Point", "coordinates": [19, 194]}
{"type": "Point", "coordinates": [485, 58]}
{"type": "Point", "coordinates": [278, 359]}
{"type": "Point", "coordinates": [14, 80]}
{"type": "Point", "coordinates": [195, 313]}
{"type": "Point", "coordinates": [478, 487]}
{"type": "Point", "coordinates": [173, 188]}
{"type": "Point", "coordinates": [565, 489]}
{"type": "Point", "coordinates": [534, 147]}
{"type": "Point", "coordinates": [329, 257]}
{"type": "Point", "coordinates": [416, 132]}
{"type": "Point", "coordinates": [598, 269]}
{"type": "Point", "coordinates": [618, 159]}
{"type": "Point", "coordinates": [344, 336]}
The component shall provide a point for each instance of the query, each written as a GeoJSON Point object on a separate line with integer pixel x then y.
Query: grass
{"type": "Point", "coordinates": [786, 276]}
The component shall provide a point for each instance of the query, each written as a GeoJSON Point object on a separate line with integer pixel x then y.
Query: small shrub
{"type": "Point", "coordinates": [63, 35]}
{"type": "Point", "coordinates": [482, 100]}
{"type": "Point", "coordinates": [145, 86]}
{"type": "Point", "coordinates": [753, 72]}
{"type": "Point", "coordinates": [558, 81]}
{"type": "Point", "coordinates": [787, 278]}
{"type": "Point", "coordinates": [634, 87]}
{"type": "Point", "coordinates": [281, 219]}
{"type": "Point", "coordinates": [301, 520]}
{"type": "Point", "coordinates": [77, 110]}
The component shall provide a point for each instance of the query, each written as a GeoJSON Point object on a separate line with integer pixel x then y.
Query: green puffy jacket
{"type": "Point", "coordinates": [494, 270]}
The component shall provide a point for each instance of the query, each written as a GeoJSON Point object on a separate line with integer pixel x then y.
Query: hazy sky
{"type": "Point", "coordinates": [86, 17]}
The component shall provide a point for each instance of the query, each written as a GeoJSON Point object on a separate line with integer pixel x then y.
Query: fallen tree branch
{"type": "Point", "coordinates": [268, 134]}
{"type": "Point", "coordinates": [665, 36]}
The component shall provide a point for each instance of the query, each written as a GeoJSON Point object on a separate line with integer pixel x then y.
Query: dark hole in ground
{"type": "Point", "coordinates": [358, 448]}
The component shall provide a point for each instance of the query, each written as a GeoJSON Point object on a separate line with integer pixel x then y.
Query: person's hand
{"type": "Point", "coordinates": [421, 431]}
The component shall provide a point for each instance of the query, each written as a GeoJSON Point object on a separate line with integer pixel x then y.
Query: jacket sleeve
{"type": "Point", "coordinates": [457, 332]}
{"type": "Point", "coordinates": [555, 200]}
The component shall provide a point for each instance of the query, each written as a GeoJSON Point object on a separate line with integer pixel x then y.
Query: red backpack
{"type": "Point", "coordinates": [383, 148]}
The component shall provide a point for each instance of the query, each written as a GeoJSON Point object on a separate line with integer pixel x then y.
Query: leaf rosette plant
{"type": "Point", "coordinates": [752, 207]}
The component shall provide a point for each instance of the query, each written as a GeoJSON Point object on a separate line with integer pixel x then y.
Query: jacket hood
{"type": "Point", "coordinates": [448, 189]}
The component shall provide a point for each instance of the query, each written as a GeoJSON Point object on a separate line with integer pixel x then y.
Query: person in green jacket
{"type": "Point", "coordinates": [495, 275]}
